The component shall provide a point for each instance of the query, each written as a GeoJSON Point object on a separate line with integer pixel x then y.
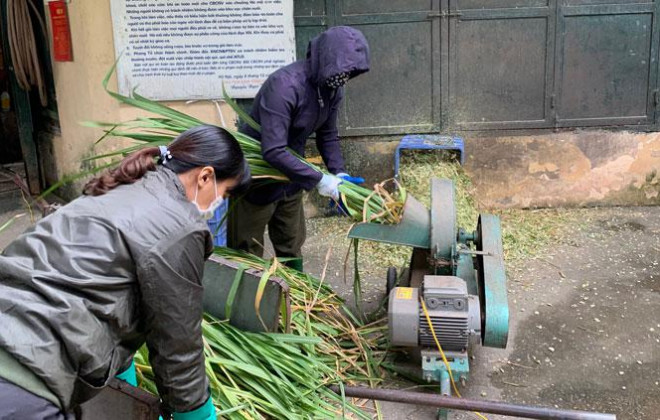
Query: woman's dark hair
{"type": "Point", "coordinates": [204, 145]}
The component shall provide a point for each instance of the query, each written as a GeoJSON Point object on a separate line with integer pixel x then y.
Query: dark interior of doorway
{"type": "Point", "coordinates": [10, 146]}
{"type": "Point", "coordinates": [12, 167]}
{"type": "Point", "coordinates": [27, 127]}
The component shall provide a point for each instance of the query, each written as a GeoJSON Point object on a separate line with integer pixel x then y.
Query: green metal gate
{"type": "Point", "coordinates": [500, 64]}
{"type": "Point", "coordinates": [402, 91]}
{"type": "Point", "coordinates": [458, 65]}
{"type": "Point", "coordinates": [607, 71]}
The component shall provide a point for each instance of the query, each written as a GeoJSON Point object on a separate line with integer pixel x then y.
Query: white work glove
{"type": "Point", "coordinates": [329, 186]}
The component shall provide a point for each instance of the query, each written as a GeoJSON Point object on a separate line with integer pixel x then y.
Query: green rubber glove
{"type": "Point", "coordinates": [205, 412]}
{"type": "Point", "coordinates": [129, 375]}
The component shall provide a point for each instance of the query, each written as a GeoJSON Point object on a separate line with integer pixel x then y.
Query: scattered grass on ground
{"type": "Point", "coordinates": [525, 233]}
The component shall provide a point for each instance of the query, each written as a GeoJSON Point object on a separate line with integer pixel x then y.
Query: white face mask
{"type": "Point", "coordinates": [210, 210]}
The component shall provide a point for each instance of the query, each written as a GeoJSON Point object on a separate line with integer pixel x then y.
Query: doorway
{"type": "Point", "coordinates": [28, 111]}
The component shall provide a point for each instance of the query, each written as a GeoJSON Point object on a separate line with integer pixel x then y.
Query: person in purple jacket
{"type": "Point", "coordinates": [294, 102]}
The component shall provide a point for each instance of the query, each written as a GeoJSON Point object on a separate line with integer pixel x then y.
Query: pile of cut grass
{"type": "Point", "coordinates": [286, 376]}
{"type": "Point", "coordinates": [525, 233]}
{"type": "Point", "coordinates": [416, 170]}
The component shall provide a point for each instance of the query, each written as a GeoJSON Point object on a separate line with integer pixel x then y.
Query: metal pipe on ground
{"type": "Point", "coordinates": [491, 407]}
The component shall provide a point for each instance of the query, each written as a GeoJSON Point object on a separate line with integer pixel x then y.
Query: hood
{"type": "Point", "coordinates": [337, 50]}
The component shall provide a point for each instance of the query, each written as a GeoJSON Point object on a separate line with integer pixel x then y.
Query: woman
{"type": "Point", "coordinates": [118, 267]}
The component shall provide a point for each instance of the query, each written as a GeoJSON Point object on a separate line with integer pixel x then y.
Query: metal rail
{"type": "Point", "coordinates": [492, 407]}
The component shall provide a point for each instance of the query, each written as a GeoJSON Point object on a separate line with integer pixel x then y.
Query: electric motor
{"type": "Point", "coordinates": [454, 314]}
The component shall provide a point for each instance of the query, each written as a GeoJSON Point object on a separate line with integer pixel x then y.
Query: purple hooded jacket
{"type": "Point", "coordinates": [295, 102]}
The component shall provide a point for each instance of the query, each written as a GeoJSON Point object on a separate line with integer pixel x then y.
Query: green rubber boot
{"type": "Point", "coordinates": [296, 264]}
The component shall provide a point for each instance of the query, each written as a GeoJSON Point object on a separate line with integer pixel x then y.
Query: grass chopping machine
{"type": "Point", "coordinates": [453, 295]}
{"type": "Point", "coordinates": [451, 298]}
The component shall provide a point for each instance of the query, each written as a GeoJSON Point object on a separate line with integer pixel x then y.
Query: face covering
{"type": "Point", "coordinates": [337, 81]}
{"type": "Point", "coordinates": [210, 210]}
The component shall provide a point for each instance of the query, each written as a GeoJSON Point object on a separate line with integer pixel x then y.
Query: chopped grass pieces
{"type": "Point", "coordinates": [524, 232]}
{"type": "Point", "coordinates": [418, 167]}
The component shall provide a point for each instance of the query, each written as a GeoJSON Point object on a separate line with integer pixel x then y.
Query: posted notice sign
{"type": "Point", "coordinates": [186, 49]}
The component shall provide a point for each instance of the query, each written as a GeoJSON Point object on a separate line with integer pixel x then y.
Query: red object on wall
{"type": "Point", "coordinates": [59, 20]}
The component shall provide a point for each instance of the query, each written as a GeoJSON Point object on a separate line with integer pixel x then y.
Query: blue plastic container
{"type": "Point", "coordinates": [218, 224]}
{"type": "Point", "coordinates": [428, 142]}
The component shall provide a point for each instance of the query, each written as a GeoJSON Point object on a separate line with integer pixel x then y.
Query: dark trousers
{"type": "Point", "coordinates": [286, 226]}
{"type": "Point", "coordinates": [19, 404]}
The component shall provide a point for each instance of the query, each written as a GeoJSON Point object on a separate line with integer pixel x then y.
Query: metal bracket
{"type": "Point", "coordinates": [219, 278]}
{"type": "Point", "coordinates": [656, 98]}
{"type": "Point", "coordinates": [119, 400]}
{"type": "Point", "coordinates": [433, 365]}
{"type": "Point", "coordinates": [467, 237]}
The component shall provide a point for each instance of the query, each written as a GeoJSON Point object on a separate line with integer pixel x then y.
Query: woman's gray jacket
{"type": "Point", "coordinates": [82, 290]}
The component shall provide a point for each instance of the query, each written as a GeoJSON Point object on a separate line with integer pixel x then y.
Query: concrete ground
{"type": "Point", "coordinates": [16, 214]}
{"type": "Point", "coordinates": [585, 320]}
{"type": "Point", "coordinates": [585, 316]}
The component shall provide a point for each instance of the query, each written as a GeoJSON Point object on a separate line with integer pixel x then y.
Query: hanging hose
{"type": "Point", "coordinates": [23, 46]}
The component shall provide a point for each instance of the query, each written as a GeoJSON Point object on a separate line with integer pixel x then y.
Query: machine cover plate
{"type": "Point", "coordinates": [413, 230]}
{"type": "Point", "coordinates": [492, 282]}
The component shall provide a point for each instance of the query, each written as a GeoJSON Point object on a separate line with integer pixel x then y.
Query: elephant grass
{"type": "Point", "coordinates": [380, 205]}
{"type": "Point", "coordinates": [285, 376]}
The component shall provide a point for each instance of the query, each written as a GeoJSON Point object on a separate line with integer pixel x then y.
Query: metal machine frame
{"type": "Point", "coordinates": [440, 249]}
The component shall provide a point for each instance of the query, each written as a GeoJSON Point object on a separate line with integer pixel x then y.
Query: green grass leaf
{"type": "Point", "coordinates": [244, 116]}
{"type": "Point", "coordinates": [231, 296]}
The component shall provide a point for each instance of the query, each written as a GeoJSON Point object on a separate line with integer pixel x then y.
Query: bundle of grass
{"type": "Point", "coordinates": [380, 205]}
{"type": "Point", "coordinates": [286, 375]}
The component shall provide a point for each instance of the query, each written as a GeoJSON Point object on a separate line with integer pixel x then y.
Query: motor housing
{"type": "Point", "coordinates": [455, 315]}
